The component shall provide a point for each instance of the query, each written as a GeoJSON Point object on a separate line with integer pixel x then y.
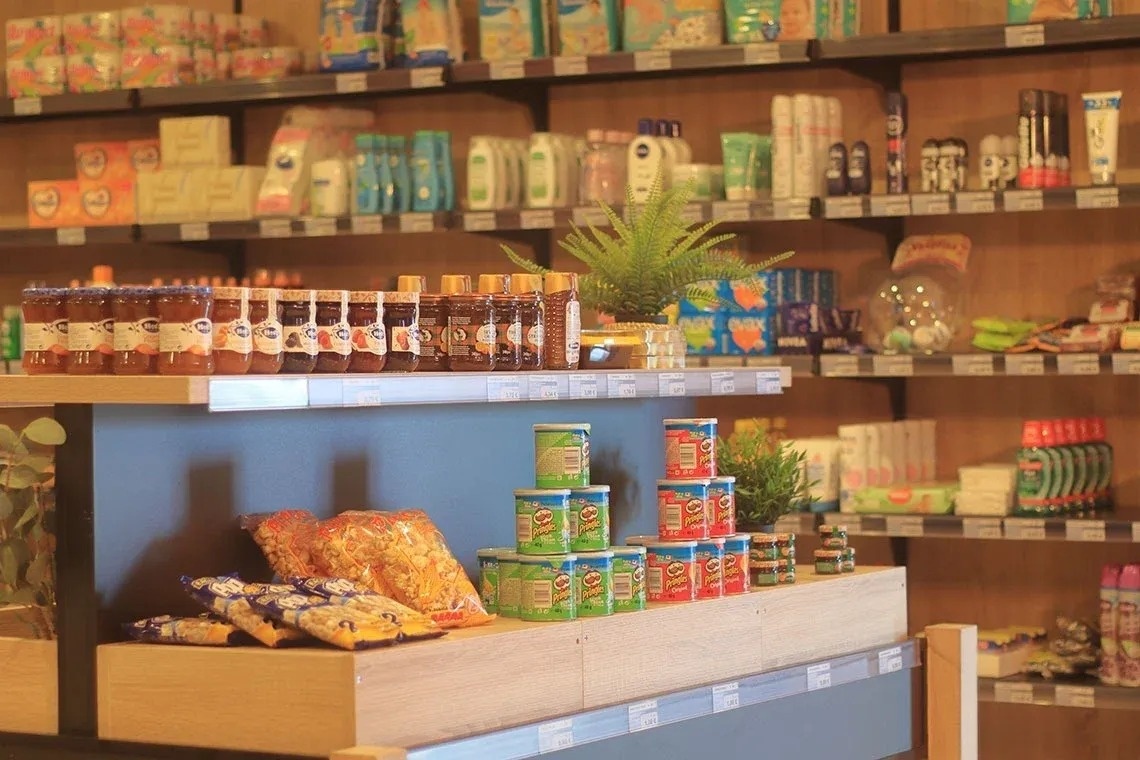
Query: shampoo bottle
{"type": "Point", "coordinates": [542, 168]}
{"type": "Point", "coordinates": [366, 195]}
{"type": "Point", "coordinates": [425, 172]}
{"type": "Point", "coordinates": [384, 174]}
{"type": "Point", "coordinates": [401, 174]}
{"type": "Point", "coordinates": [684, 150]}
{"type": "Point", "coordinates": [646, 160]}
{"type": "Point", "coordinates": [783, 147]}
{"type": "Point", "coordinates": [483, 173]}
{"type": "Point", "coordinates": [804, 179]}
{"type": "Point", "coordinates": [669, 152]}
{"type": "Point", "coordinates": [1109, 624]}
{"type": "Point", "coordinates": [444, 171]}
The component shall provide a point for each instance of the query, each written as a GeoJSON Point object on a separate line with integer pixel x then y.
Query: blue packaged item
{"type": "Point", "coordinates": [366, 195]}
{"type": "Point", "coordinates": [787, 286]}
{"type": "Point", "coordinates": [203, 630]}
{"type": "Point", "coordinates": [401, 174]}
{"type": "Point", "coordinates": [425, 172]}
{"type": "Point", "coordinates": [349, 35]}
{"type": "Point", "coordinates": [444, 170]}
{"type": "Point", "coordinates": [385, 177]}
{"type": "Point", "coordinates": [750, 297]}
{"type": "Point", "coordinates": [392, 36]}
{"type": "Point", "coordinates": [588, 27]}
{"type": "Point", "coordinates": [749, 334]}
{"type": "Point", "coordinates": [703, 333]}
{"type": "Point", "coordinates": [824, 288]}
{"type": "Point", "coordinates": [693, 306]}
{"type": "Point", "coordinates": [427, 32]}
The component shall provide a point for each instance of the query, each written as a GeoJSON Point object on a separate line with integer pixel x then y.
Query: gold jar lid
{"type": "Point", "coordinates": [454, 284]}
{"type": "Point", "coordinates": [526, 283]}
{"type": "Point", "coordinates": [495, 284]}
{"type": "Point", "coordinates": [411, 283]}
{"type": "Point", "coordinates": [556, 282]}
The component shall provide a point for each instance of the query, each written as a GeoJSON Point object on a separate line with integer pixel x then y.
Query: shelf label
{"type": "Point", "coordinates": [671, 384]}
{"type": "Point", "coordinates": [479, 222]}
{"type": "Point", "coordinates": [361, 392]}
{"type": "Point", "coordinates": [722, 383]}
{"type": "Point", "coordinates": [725, 696]}
{"type": "Point", "coordinates": [507, 70]}
{"type": "Point", "coordinates": [1074, 696]}
{"type": "Point", "coordinates": [194, 231]}
{"type": "Point", "coordinates": [622, 386]}
{"type": "Point", "coordinates": [584, 216]}
{"type": "Point", "coordinates": [275, 228]}
{"type": "Point", "coordinates": [1084, 530]}
{"type": "Point", "coordinates": [430, 77]}
{"type": "Point", "coordinates": [850, 207]}
{"type": "Point", "coordinates": [1126, 364]}
{"type": "Point", "coordinates": [1098, 197]}
{"type": "Point", "coordinates": [504, 389]}
{"type": "Point", "coordinates": [1015, 693]}
{"type": "Point", "coordinates": [973, 365]}
{"type": "Point", "coordinates": [819, 676]}
{"type": "Point", "coordinates": [643, 715]}
{"type": "Point", "coordinates": [890, 660]}
{"type": "Point", "coordinates": [71, 236]}
{"type": "Point", "coordinates": [904, 525]}
{"type": "Point", "coordinates": [543, 387]}
{"type": "Point", "coordinates": [536, 219]}
{"type": "Point", "coordinates": [1024, 365]}
{"type": "Point", "coordinates": [28, 106]}
{"type": "Point", "coordinates": [320, 226]}
{"type": "Point", "coordinates": [693, 213]}
{"type": "Point", "coordinates": [583, 386]}
{"type": "Point", "coordinates": [354, 82]}
{"type": "Point", "coordinates": [732, 211]}
{"type": "Point", "coordinates": [839, 366]}
{"type": "Point", "coordinates": [1078, 364]}
{"type": "Point", "coordinates": [417, 221]}
{"type": "Point", "coordinates": [1023, 200]}
{"type": "Point", "coordinates": [791, 209]}
{"type": "Point", "coordinates": [981, 527]}
{"type": "Point", "coordinates": [1025, 35]}
{"type": "Point", "coordinates": [979, 202]}
{"type": "Point", "coordinates": [768, 383]}
{"type": "Point", "coordinates": [367, 225]}
{"type": "Point", "coordinates": [652, 60]}
{"type": "Point", "coordinates": [556, 735]}
{"type": "Point", "coordinates": [930, 204]}
{"type": "Point", "coordinates": [761, 54]}
{"type": "Point", "coordinates": [1021, 529]}
{"type": "Point", "coordinates": [890, 205]}
{"type": "Point", "coordinates": [570, 65]}
{"type": "Point", "coordinates": [893, 366]}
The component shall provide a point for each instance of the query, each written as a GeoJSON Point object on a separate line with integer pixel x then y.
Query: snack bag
{"type": "Point", "coordinates": [286, 538]}
{"type": "Point", "coordinates": [328, 621]}
{"type": "Point", "coordinates": [343, 550]}
{"type": "Point", "coordinates": [228, 597]}
{"type": "Point", "coordinates": [203, 630]}
{"type": "Point", "coordinates": [412, 624]}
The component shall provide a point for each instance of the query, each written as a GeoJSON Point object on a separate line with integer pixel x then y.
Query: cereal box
{"type": "Point", "coordinates": [33, 37]}
{"type": "Point", "coordinates": [53, 203]}
{"type": "Point", "coordinates": [749, 334]}
{"type": "Point", "coordinates": [653, 24]}
{"type": "Point", "coordinates": [704, 333]}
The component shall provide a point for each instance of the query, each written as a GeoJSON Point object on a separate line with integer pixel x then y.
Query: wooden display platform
{"type": "Point", "coordinates": [317, 701]}
{"type": "Point", "coordinates": [31, 687]}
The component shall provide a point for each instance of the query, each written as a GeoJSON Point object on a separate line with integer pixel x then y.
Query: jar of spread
{"type": "Point", "coordinates": [135, 332]}
{"type": "Point", "coordinates": [334, 346]}
{"type": "Point", "coordinates": [508, 324]}
{"type": "Point", "coordinates": [449, 285]}
{"type": "Point", "coordinates": [528, 289]}
{"type": "Point", "coordinates": [45, 331]}
{"type": "Point", "coordinates": [366, 330]}
{"type": "Point", "coordinates": [470, 333]}
{"type": "Point", "coordinates": [433, 324]}
{"type": "Point", "coordinates": [90, 331]}
{"type": "Point", "coordinates": [185, 332]}
{"type": "Point", "coordinates": [401, 323]}
{"type": "Point", "coordinates": [299, 330]}
{"type": "Point", "coordinates": [563, 320]}
{"type": "Point", "coordinates": [233, 332]}
{"type": "Point", "coordinates": [265, 314]}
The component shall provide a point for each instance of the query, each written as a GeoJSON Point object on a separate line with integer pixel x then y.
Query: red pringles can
{"type": "Point", "coordinates": [682, 510]}
{"type": "Point", "coordinates": [722, 506]}
{"type": "Point", "coordinates": [671, 571]}
{"type": "Point", "coordinates": [710, 568]}
{"type": "Point", "coordinates": [690, 448]}
{"type": "Point", "coordinates": [736, 580]}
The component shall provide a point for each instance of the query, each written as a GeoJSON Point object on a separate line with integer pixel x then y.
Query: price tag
{"type": "Point", "coordinates": [536, 219]}
{"type": "Point", "coordinates": [622, 386]}
{"type": "Point", "coordinates": [71, 236]}
{"type": "Point", "coordinates": [322, 226]}
{"type": "Point", "coordinates": [973, 365]}
{"type": "Point", "coordinates": [1074, 696]}
{"type": "Point", "coordinates": [726, 696]}
{"type": "Point", "coordinates": [930, 204]}
{"type": "Point", "coordinates": [479, 222]}
{"type": "Point", "coordinates": [1025, 35]}
{"type": "Point", "coordinates": [643, 715]}
{"type": "Point", "coordinates": [1084, 530]}
{"type": "Point", "coordinates": [430, 77]}
{"type": "Point", "coordinates": [194, 231]}
{"type": "Point", "coordinates": [723, 383]}
{"type": "Point", "coordinates": [583, 386]}
{"type": "Point", "coordinates": [819, 676]}
{"type": "Point", "coordinates": [355, 82]}
{"type": "Point", "coordinates": [762, 54]}
{"type": "Point", "coordinates": [584, 216]}
{"type": "Point", "coordinates": [1023, 200]}
{"type": "Point", "coordinates": [890, 660]}
{"type": "Point", "coordinates": [981, 527]}
{"type": "Point", "coordinates": [768, 383]}
{"type": "Point", "coordinates": [671, 384]}
{"type": "Point", "coordinates": [652, 60]}
{"type": "Point", "coordinates": [275, 228]}
{"type": "Point", "coordinates": [1016, 693]}
{"type": "Point", "coordinates": [1126, 364]}
{"type": "Point", "coordinates": [1098, 197]}
{"type": "Point", "coordinates": [732, 211]}
{"type": "Point", "coordinates": [504, 389]}
{"type": "Point", "coordinates": [791, 209]}
{"type": "Point", "coordinates": [367, 225]}
{"type": "Point", "coordinates": [417, 222]}
{"type": "Point", "coordinates": [1021, 529]}
{"type": "Point", "coordinates": [693, 213]}
{"type": "Point", "coordinates": [839, 366]}
{"type": "Point", "coordinates": [850, 207]}
{"type": "Point", "coordinates": [556, 735]}
{"type": "Point", "coordinates": [543, 387]}
{"type": "Point", "coordinates": [892, 366]}
{"type": "Point", "coordinates": [570, 65]}
{"type": "Point", "coordinates": [1024, 365]}
{"type": "Point", "coordinates": [890, 205]}
{"type": "Point", "coordinates": [904, 525]}
{"type": "Point", "coordinates": [981, 202]}
{"type": "Point", "coordinates": [361, 392]}
{"type": "Point", "coordinates": [1078, 364]}
{"type": "Point", "coordinates": [507, 70]}
{"type": "Point", "coordinates": [28, 106]}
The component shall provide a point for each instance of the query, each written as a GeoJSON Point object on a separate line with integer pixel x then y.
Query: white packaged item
{"type": "Point", "coordinates": [483, 174]}
{"type": "Point", "coordinates": [819, 131]}
{"type": "Point", "coordinates": [875, 468]}
{"type": "Point", "coordinates": [151, 26]}
{"type": "Point", "coordinates": [783, 147]}
{"type": "Point", "coordinates": [804, 179]}
{"type": "Point", "coordinates": [983, 503]}
{"type": "Point", "coordinates": [912, 442]}
{"type": "Point", "coordinates": [252, 31]}
{"type": "Point", "coordinates": [701, 177]}
{"type": "Point", "coordinates": [645, 160]}
{"type": "Point", "coordinates": [821, 470]}
{"type": "Point", "coordinates": [328, 192]}
{"type": "Point", "coordinates": [834, 122]}
{"type": "Point", "coordinates": [995, 476]}
{"type": "Point", "coordinates": [195, 141]}
{"type": "Point", "coordinates": [542, 171]}
{"type": "Point", "coordinates": [172, 196]}
{"type": "Point", "coordinates": [926, 446]}
{"type": "Point", "coordinates": [853, 469]}
{"type": "Point", "coordinates": [36, 77]}
{"type": "Point", "coordinates": [231, 193]}
{"type": "Point", "coordinates": [898, 452]}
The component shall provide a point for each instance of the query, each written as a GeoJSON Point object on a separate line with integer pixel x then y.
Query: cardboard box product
{"type": "Point", "coordinates": [88, 33]}
{"type": "Point", "coordinates": [94, 72]}
{"type": "Point", "coordinates": [846, 18]}
{"type": "Point", "coordinates": [821, 470]}
{"type": "Point", "coordinates": [231, 193]}
{"type": "Point", "coordinates": [165, 66]}
{"type": "Point", "coordinates": [53, 203]}
{"type": "Point", "coordinates": [749, 334]}
{"type": "Point", "coordinates": [102, 161]}
{"type": "Point", "coordinates": [152, 26]}
{"type": "Point", "coordinates": [932, 499]}
{"type": "Point", "coordinates": [853, 464]}
{"type": "Point", "coordinates": [144, 155]}
{"type": "Point", "coordinates": [655, 24]}
{"type": "Point", "coordinates": [107, 203]}
{"type": "Point", "coordinates": [27, 38]}
{"type": "Point", "coordinates": [927, 447]}
{"type": "Point", "coordinates": [983, 503]}
{"type": "Point", "coordinates": [749, 297]}
{"type": "Point", "coordinates": [704, 333]}
{"type": "Point", "coordinates": [172, 196]}
{"type": "Point", "coordinates": [874, 437]}
{"type": "Point", "coordinates": [898, 453]}
{"type": "Point", "coordinates": [195, 141]}
{"type": "Point", "coordinates": [1036, 11]}
{"type": "Point", "coordinates": [767, 20]}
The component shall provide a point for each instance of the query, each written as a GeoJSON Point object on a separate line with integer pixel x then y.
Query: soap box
{"type": "Point", "coordinates": [53, 203]}
{"type": "Point", "coordinates": [748, 334]}
{"type": "Point", "coordinates": [511, 29]}
{"type": "Point", "coordinates": [107, 203]}
{"type": "Point", "coordinates": [587, 27]}
{"type": "Point", "coordinates": [704, 333]}
{"type": "Point", "coordinates": [820, 470]}
{"type": "Point", "coordinates": [165, 66]}
{"type": "Point", "coordinates": [103, 161]}
{"type": "Point", "coordinates": [171, 196]}
{"type": "Point", "coordinates": [144, 155]}
{"type": "Point", "coordinates": [349, 37]}
{"type": "Point", "coordinates": [768, 20]}
{"type": "Point", "coordinates": [655, 24]}
{"type": "Point", "coordinates": [1034, 11]}
{"type": "Point", "coordinates": [33, 37]}
{"type": "Point", "coordinates": [152, 26]}
{"type": "Point", "coordinates": [94, 72]}
{"type": "Point", "coordinates": [933, 499]}
{"type": "Point", "coordinates": [36, 77]}
{"type": "Point", "coordinates": [195, 141]}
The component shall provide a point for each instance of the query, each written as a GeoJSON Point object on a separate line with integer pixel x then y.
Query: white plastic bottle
{"type": "Point", "coordinates": [645, 158]}
{"type": "Point", "coordinates": [834, 130]}
{"type": "Point", "coordinates": [504, 179]}
{"type": "Point", "coordinates": [542, 178]}
{"type": "Point", "coordinates": [671, 153]}
{"type": "Point", "coordinates": [684, 150]}
{"type": "Point", "coordinates": [819, 139]}
{"type": "Point", "coordinates": [483, 188]}
{"type": "Point", "coordinates": [329, 193]}
{"type": "Point", "coordinates": [783, 147]}
{"type": "Point", "coordinates": [804, 179]}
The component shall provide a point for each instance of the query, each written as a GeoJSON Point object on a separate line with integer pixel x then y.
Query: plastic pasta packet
{"type": "Point", "coordinates": [286, 539]}
{"type": "Point", "coordinates": [204, 630]}
{"type": "Point", "coordinates": [328, 621]}
{"type": "Point", "coordinates": [413, 625]}
{"type": "Point", "coordinates": [228, 597]}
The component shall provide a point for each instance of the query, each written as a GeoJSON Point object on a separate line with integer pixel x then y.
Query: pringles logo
{"type": "Point", "coordinates": [542, 522]}
{"type": "Point", "coordinates": [677, 576]}
{"type": "Point", "coordinates": [592, 585]}
{"type": "Point", "coordinates": [562, 589]}
{"type": "Point", "coordinates": [589, 519]}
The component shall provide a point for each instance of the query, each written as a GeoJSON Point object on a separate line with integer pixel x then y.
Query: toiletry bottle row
{"type": "Point", "coordinates": [1064, 468]}
{"type": "Point", "coordinates": [1043, 139]}
{"type": "Point", "coordinates": [804, 127]}
{"type": "Point", "coordinates": [945, 165]}
{"type": "Point", "coordinates": [385, 181]}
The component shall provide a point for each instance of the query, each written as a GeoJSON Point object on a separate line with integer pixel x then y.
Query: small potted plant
{"type": "Point", "coordinates": [771, 478]}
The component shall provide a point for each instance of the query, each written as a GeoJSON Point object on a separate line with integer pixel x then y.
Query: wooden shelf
{"type": "Point", "coordinates": [28, 673]}
{"type": "Point", "coordinates": [488, 678]}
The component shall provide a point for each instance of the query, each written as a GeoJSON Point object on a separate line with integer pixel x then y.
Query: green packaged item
{"type": "Point", "coordinates": [509, 577]}
{"type": "Point", "coordinates": [562, 456]}
{"type": "Point", "coordinates": [786, 546]}
{"type": "Point", "coordinates": [770, 20]}
{"type": "Point", "coordinates": [546, 588]}
{"type": "Point", "coordinates": [512, 29]}
{"type": "Point", "coordinates": [833, 536]}
{"type": "Point", "coordinates": [993, 342]}
{"type": "Point", "coordinates": [764, 547]}
{"type": "Point", "coordinates": [542, 521]}
{"type": "Point", "coordinates": [594, 583]}
{"type": "Point", "coordinates": [590, 519]}
{"type": "Point", "coordinates": [1036, 11]}
{"type": "Point", "coordinates": [629, 578]}
{"type": "Point", "coordinates": [489, 578]}
{"type": "Point", "coordinates": [661, 24]}
{"type": "Point", "coordinates": [786, 570]}
{"type": "Point", "coordinates": [933, 499]}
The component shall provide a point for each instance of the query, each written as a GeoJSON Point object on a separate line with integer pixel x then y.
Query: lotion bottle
{"type": "Point", "coordinates": [783, 147]}
{"type": "Point", "coordinates": [387, 180]}
{"type": "Point", "coordinates": [542, 178]}
{"type": "Point", "coordinates": [684, 150]}
{"type": "Point", "coordinates": [646, 159]}
{"type": "Point", "coordinates": [366, 186]}
{"type": "Point", "coordinates": [669, 147]}
{"type": "Point", "coordinates": [482, 175]}
{"type": "Point", "coordinates": [804, 179]}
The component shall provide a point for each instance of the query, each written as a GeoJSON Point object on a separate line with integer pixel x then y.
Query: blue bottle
{"type": "Point", "coordinates": [447, 178]}
{"type": "Point", "coordinates": [426, 184]}
{"type": "Point", "coordinates": [367, 185]}
{"type": "Point", "coordinates": [384, 174]}
{"type": "Point", "coordinates": [401, 176]}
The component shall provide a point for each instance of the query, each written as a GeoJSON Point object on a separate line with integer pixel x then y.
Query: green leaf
{"type": "Point", "coordinates": [10, 441]}
{"type": "Point", "coordinates": [9, 565]}
{"type": "Point", "coordinates": [6, 506]}
{"type": "Point", "coordinates": [39, 570]}
{"type": "Point", "coordinates": [18, 478]}
{"type": "Point", "coordinates": [30, 514]}
{"type": "Point", "coordinates": [36, 462]}
{"type": "Point", "coordinates": [45, 431]}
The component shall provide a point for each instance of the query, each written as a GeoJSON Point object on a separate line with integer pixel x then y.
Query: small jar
{"type": "Point", "coordinates": [764, 572]}
{"type": "Point", "coordinates": [848, 560]}
{"type": "Point", "coordinates": [786, 545]}
{"type": "Point", "coordinates": [366, 327]}
{"type": "Point", "coordinates": [136, 331]}
{"type": "Point", "coordinates": [470, 333]}
{"type": "Point", "coordinates": [508, 324]}
{"type": "Point", "coordinates": [433, 333]}
{"type": "Point", "coordinates": [233, 331]}
{"type": "Point", "coordinates": [90, 331]}
{"type": "Point", "coordinates": [265, 313]}
{"type": "Point", "coordinates": [787, 570]}
{"type": "Point", "coordinates": [402, 324]}
{"type": "Point", "coordinates": [45, 331]}
{"type": "Point", "coordinates": [828, 561]}
{"type": "Point", "coordinates": [833, 536]}
{"type": "Point", "coordinates": [299, 331]}
{"type": "Point", "coordinates": [563, 317]}
{"type": "Point", "coordinates": [763, 547]}
{"type": "Point", "coordinates": [333, 343]}
{"type": "Point", "coordinates": [185, 331]}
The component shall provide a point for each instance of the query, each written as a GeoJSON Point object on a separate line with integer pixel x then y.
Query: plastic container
{"type": "Point", "coordinates": [1128, 626]}
{"type": "Point", "coordinates": [265, 314]}
{"type": "Point", "coordinates": [489, 577]}
{"type": "Point", "coordinates": [682, 510]}
{"type": "Point", "coordinates": [562, 455]}
{"type": "Point", "coordinates": [233, 332]}
{"type": "Point", "coordinates": [1109, 628]}
{"type": "Point", "coordinates": [736, 562]}
{"type": "Point", "coordinates": [690, 448]}
{"type": "Point", "coordinates": [366, 331]}
{"type": "Point", "coordinates": [299, 330]}
{"type": "Point", "coordinates": [563, 321]}
{"type": "Point", "coordinates": [786, 546]}
{"type": "Point", "coordinates": [671, 571]}
{"type": "Point", "coordinates": [542, 521]}
{"type": "Point", "coordinates": [90, 332]}
{"type": "Point", "coordinates": [594, 583]}
{"type": "Point", "coordinates": [508, 597]}
{"type": "Point", "coordinates": [44, 314]}
{"type": "Point", "coordinates": [629, 578]}
{"type": "Point", "coordinates": [334, 337]}
{"type": "Point", "coordinates": [589, 519]}
{"type": "Point", "coordinates": [722, 506]}
{"type": "Point", "coordinates": [710, 568]}
{"type": "Point", "coordinates": [185, 331]}
{"type": "Point", "coordinates": [546, 588]}
{"type": "Point", "coordinates": [828, 561]}
{"type": "Point", "coordinates": [848, 559]}
{"type": "Point", "coordinates": [786, 569]}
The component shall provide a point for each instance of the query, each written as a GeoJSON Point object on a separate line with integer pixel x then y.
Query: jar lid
{"type": "Point", "coordinates": [454, 284]}
{"type": "Point", "coordinates": [696, 482]}
{"type": "Point", "coordinates": [544, 559]}
{"type": "Point", "coordinates": [555, 427]}
{"type": "Point", "coordinates": [264, 294]}
{"type": "Point", "coordinates": [231, 293]}
{"type": "Point", "coordinates": [298, 295]}
{"type": "Point", "coordinates": [703, 421]}
{"type": "Point", "coordinates": [621, 550]}
{"type": "Point", "coordinates": [556, 282]}
{"type": "Point", "coordinates": [724, 479]}
{"type": "Point", "coordinates": [717, 540]}
{"type": "Point", "coordinates": [764, 538]}
{"type": "Point", "coordinates": [332, 295]}
{"type": "Point", "coordinates": [603, 554]}
{"type": "Point", "coordinates": [542, 492]}
{"type": "Point", "coordinates": [494, 283]}
{"type": "Point", "coordinates": [828, 555]}
{"type": "Point", "coordinates": [411, 283]}
{"type": "Point", "coordinates": [44, 292]}
{"type": "Point", "coordinates": [374, 297]}
{"type": "Point", "coordinates": [87, 292]}
{"type": "Point", "coordinates": [526, 283]}
{"type": "Point", "coordinates": [639, 540]}
{"type": "Point", "coordinates": [470, 298]}
{"type": "Point", "coordinates": [590, 489]}
{"type": "Point", "coordinates": [658, 544]}
{"type": "Point", "coordinates": [132, 291]}
{"type": "Point", "coordinates": [184, 290]}
{"type": "Point", "coordinates": [595, 135]}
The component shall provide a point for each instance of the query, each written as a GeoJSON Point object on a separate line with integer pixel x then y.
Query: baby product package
{"type": "Point", "coordinates": [587, 27]}
{"type": "Point", "coordinates": [1033, 11]}
{"type": "Point", "coordinates": [36, 77]}
{"type": "Point", "coordinates": [94, 72]}
{"type": "Point", "coordinates": [846, 18]}
{"type": "Point", "coordinates": [512, 29]}
{"type": "Point", "coordinates": [431, 32]}
{"type": "Point", "coordinates": [654, 24]}
{"type": "Point", "coordinates": [350, 35]}
{"type": "Point", "coordinates": [152, 26]}
{"type": "Point", "coordinates": [767, 20]}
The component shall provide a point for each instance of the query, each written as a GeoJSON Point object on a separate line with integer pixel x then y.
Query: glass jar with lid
{"type": "Point", "coordinates": [135, 311]}
{"type": "Point", "coordinates": [90, 331]}
{"type": "Point", "coordinates": [432, 322]}
{"type": "Point", "coordinates": [233, 331]}
{"type": "Point", "coordinates": [401, 323]}
{"type": "Point", "coordinates": [563, 316]}
{"type": "Point", "coordinates": [185, 330]}
{"type": "Point", "coordinates": [299, 330]}
{"type": "Point", "coordinates": [366, 325]}
{"type": "Point", "coordinates": [508, 321]}
{"type": "Point", "coordinates": [45, 331]}
{"type": "Point", "coordinates": [470, 333]}
{"type": "Point", "coordinates": [265, 313]}
{"type": "Point", "coordinates": [528, 289]}
{"type": "Point", "coordinates": [333, 340]}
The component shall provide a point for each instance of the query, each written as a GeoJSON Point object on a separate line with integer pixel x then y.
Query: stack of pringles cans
{"type": "Point", "coordinates": [562, 566]}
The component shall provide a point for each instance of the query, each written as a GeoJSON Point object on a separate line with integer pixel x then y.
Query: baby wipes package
{"type": "Point", "coordinates": [88, 33]}
{"type": "Point", "coordinates": [1034, 11]}
{"type": "Point", "coordinates": [512, 29]}
{"type": "Point", "coordinates": [151, 26]}
{"type": "Point", "coordinates": [94, 72]}
{"type": "Point", "coordinates": [652, 24]}
{"type": "Point", "coordinates": [846, 18]}
{"type": "Point", "coordinates": [350, 36]}
{"type": "Point", "coordinates": [586, 27]}
{"type": "Point", "coordinates": [766, 20]}
{"type": "Point", "coordinates": [36, 77]}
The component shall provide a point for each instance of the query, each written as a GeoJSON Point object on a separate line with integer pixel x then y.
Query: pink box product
{"type": "Point", "coordinates": [87, 33]}
{"type": "Point", "coordinates": [36, 77]}
{"type": "Point", "coordinates": [165, 66]}
{"type": "Point", "coordinates": [26, 38]}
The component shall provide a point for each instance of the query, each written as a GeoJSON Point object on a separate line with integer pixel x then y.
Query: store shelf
{"type": "Point", "coordinates": [65, 236]}
{"type": "Point", "coordinates": [978, 365]}
{"type": "Point", "coordinates": [31, 686]}
{"type": "Point", "coordinates": [1083, 693]}
{"type": "Point", "coordinates": [543, 675]}
{"type": "Point", "coordinates": [980, 202]}
{"type": "Point", "coordinates": [288, 228]}
{"type": "Point", "coordinates": [80, 104]}
{"type": "Point", "coordinates": [1008, 528]}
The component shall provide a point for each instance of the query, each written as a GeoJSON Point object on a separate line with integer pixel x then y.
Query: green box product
{"type": "Point", "coordinates": [509, 579]}
{"type": "Point", "coordinates": [934, 499]}
{"type": "Point", "coordinates": [542, 521]}
{"type": "Point", "coordinates": [590, 519]}
{"type": "Point", "coordinates": [629, 578]}
{"type": "Point", "coordinates": [763, 547]}
{"type": "Point", "coordinates": [1035, 11]}
{"type": "Point", "coordinates": [768, 20]}
{"type": "Point", "coordinates": [546, 588]}
{"type": "Point", "coordinates": [594, 583]}
{"type": "Point", "coordinates": [657, 24]}
{"type": "Point", "coordinates": [562, 456]}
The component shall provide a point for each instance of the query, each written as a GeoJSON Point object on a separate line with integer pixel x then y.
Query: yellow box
{"type": "Point", "coordinates": [231, 193]}
{"type": "Point", "coordinates": [172, 196]}
{"type": "Point", "coordinates": [53, 203]}
{"type": "Point", "coordinates": [195, 141]}
{"type": "Point", "coordinates": [107, 203]}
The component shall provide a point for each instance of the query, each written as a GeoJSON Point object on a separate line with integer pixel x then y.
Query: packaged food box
{"type": "Point", "coordinates": [26, 38]}
{"type": "Point", "coordinates": [94, 72]}
{"type": "Point", "coordinates": [37, 77]}
{"type": "Point", "coordinates": [749, 334]}
{"type": "Point", "coordinates": [195, 141]}
{"type": "Point", "coordinates": [769, 20]}
{"type": "Point", "coordinates": [932, 499]}
{"type": "Point", "coordinates": [821, 470]}
{"type": "Point", "coordinates": [658, 24]}
{"type": "Point", "coordinates": [153, 26]}
{"type": "Point", "coordinates": [205, 65]}
{"type": "Point", "coordinates": [165, 66]}
{"type": "Point", "coordinates": [88, 33]}
{"type": "Point", "coordinates": [749, 297]}
{"type": "Point", "coordinates": [1035, 11]}
{"type": "Point", "coordinates": [266, 63]}
{"type": "Point", "coordinates": [144, 155]}
{"type": "Point", "coordinates": [231, 193]}
{"type": "Point", "coordinates": [172, 196]}
{"type": "Point", "coordinates": [107, 203]}
{"type": "Point", "coordinates": [53, 203]}
{"type": "Point", "coordinates": [104, 161]}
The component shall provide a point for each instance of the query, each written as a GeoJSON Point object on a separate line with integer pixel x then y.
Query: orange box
{"type": "Point", "coordinates": [144, 155]}
{"type": "Point", "coordinates": [53, 203]}
{"type": "Point", "coordinates": [107, 203]}
{"type": "Point", "coordinates": [102, 161]}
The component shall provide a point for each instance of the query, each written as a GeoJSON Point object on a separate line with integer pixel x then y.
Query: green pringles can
{"type": "Point", "coordinates": [542, 521]}
{"type": "Point", "coordinates": [562, 455]}
{"type": "Point", "coordinates": [509, 592]}
{"type": "Point", "coordinates": [629, 578]}
{"type": "Point", "coordinates": [590, 519]}
{"type": "Point", "coordinates": [546, 586]}
{"type": "Point", "coordinates": [594, 583]}
{"type": "Point", "coordinates": [489, 576]}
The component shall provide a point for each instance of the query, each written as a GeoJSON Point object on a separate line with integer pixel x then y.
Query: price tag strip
{"type": "Point", "coordinates": [893, 366]}
{"type": "Point", "coordinates": [320, 227]}
{"type": "Point", "coordinates": [1021, 529]}
{"type": "Point", "coordinates": [1126, 364]}
{"type": "Point", "coordinates": [543, 387]}
{"type": "Point", "coordinates": [417, 221]}
{"type": "Point", "coordinates": [479, 221]}
{"type": "Point", "coordinates": [570, 66]}
{"type": "Point", "coordinates": [1025, 35]}
{"type": "Point", "coordinates": [621, 386]}
{"type": "Point", "coordinates": [643, 715]}
{"type": "Point", "coordinates": [1024, 365]}
{"type": "Point", "coordinates": [722, 383]}
{"type": "Point", "coordinates": [1015, 693]}
{"type": "Point", "coordinates": [652, 60]}
{"type": "Point", "coordinates": [981, 527]}
{"type": "Point", "coordinates": [905, 525]}
{"type": "Point", "coordinates": [71, 236]}
{"type": "Point", "coordinates": [1078, 364]}
{"type": "Point", "coordinates": [1015, 201]}
{"type": "Point", "coordinates": [839, 366]}
{"type": "Point", "coordinates": [1098, 197]}
{"type": "Point", "coordinates": [970, 365]}
{"type": "Point", "coordinates": [671, 384]}
{"type": "Point", "coordinates": [1074, 696]}
{"type": "Point", "coordinates": [732, 211]}
{"type": "Point", "coordinates": [367, 225]}
{"type": "Point", "coordinates": [843, 208]}
{"type": "Point", "coordinates": [556, 735]}
{"type": "Point", "coordinates": [819, 676]}
{"type": "Point", "coordinates": [890, 660]}
{"type": "Point", "coordinates": [930, 204]}
{"type": "Point", "coordinates": [507, 70]}
{"type": "Point", "coordinates": [768, 383]}
{"type": "Point", "coordinates": [275, 228]}
{"type": "Point", "coordinates": [979, 202]}
{"type": "Point", "coordinates": [1085, 530]}
{"type": "Point", "coordinates": [584, 216]}
{"type": "Point", "coordinates": [890, 205]}
{"type": "Point", "coordinates": [536, 219]}
{"type": "Point", "coordinates": [194, 231]}
{"type": "Point", "coordinates": [583, 386]}
{"type": "Point", "coordinates": [504, 389]}
{"type": "Point", "coordinates": [725, 696]}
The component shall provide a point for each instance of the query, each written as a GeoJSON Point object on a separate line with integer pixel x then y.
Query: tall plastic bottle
{"type": "Point", "coordinates": [445, 171]}
{"type": "Point", "coordinates": [783, 147]}
{"type": "Point", "coordinates": [384, 174]}
{"type": "Point", "coordinates": [401, 174]}
{"type": "Point", "coordinates": [646, 160]}
{"type": "Point", "coordinates": [1069, 502]}
{"type": "Point", "coordinates": [1083, 474]}
{"type": "Point", "coordinates": [1092, 456]}
{"type": "Point", "coordinates": [669, 148]}
{"type": "Point", "coordinates": [366, 186]}
{"type": "Point", "coordinates": [1035, 471]}
{"type": "Point", "coordinates": [482, 174]}
{"type": "Point", "coordinates": [1109, 624]}
{"type": "Point", "coordinates": [1128, 626]}
{"type": "Point", "coordinates": [1062, 484]}
{"type": "Point", "coordinates": [1104, 487]}
{"type": "Point", "coordinates": [427, 187]}
{"type": "Point", "coordinates": [684, 150]}
{"type": "Point", "coordinates": [805, 179]}
{"type": "Point", "coordinates": [542, 171]}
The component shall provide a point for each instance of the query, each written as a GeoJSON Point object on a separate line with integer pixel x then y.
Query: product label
{"type": "Point", "coordinates": [722, 508]}
{"type": "Point", "coordinates": [542, 524]}
{"type": "Point", "coordinates": [406, 339]}
{"type": "Point", "coordinates": [672, 574]}
{"type": "Point", "coordinates": [140, 336]}
{"type": "Point", "coordinates": [335, 338]}
{"type": "Point", "coordinates": [236, 336]}
{"type": "Point", "coordinates": [589, 522]}
{"type": "Point", "coordinates": [46, 336]}
{"type": "Point", "coordinates": [629, 584]}
{"type": "Point", "coordinates": [735, 575]}
{"type": "Point", "coordinates": [301, 339]}
{"type": "Point", "coordinates": [573, 331]}
{"type": "Point", "coordinates": [195, 337]}
{"type": "Point", "coordinates": [710, 571]}
{"type": "Point", "coordinates": [682, 512]}
{"type": "Point", "coordinates": [690, 449]}
{"type": "Point", "coordinates": [535, 340]}
{"type": "Point", "coordinates": [547, 591]}
{"type": "Point", "coordinates": [91, 336]}
{"type": "Point", "coordinates": [370, 339]}
{"type": "Point", "coordinates": [561, 459]}
{"type": "Point", "coordinates": [267, 337]}
{"type": "Point", "coordinates": [468, 340]}
{"type": "Point", "coordinates": [433, 337]}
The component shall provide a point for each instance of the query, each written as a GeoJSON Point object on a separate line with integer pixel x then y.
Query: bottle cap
{"type": "Point", "coordinates": [1130, 577]}
{"type": "Point", "coordinates": [663, 129]}
{"type": "Point", "coordinates": [411, 283]}
{"type": "Point", "coordinates": [1073, 430]}
{"type": "Point", "coordinates": [454, 284]}
{"type": "Point", "coordinates": [102, 275]}
{"type": "Point", "coordinates": [645, 126]}
{"type": "Point", "coordinates": [1048, 436]}
{"type": "Point", "coordinates": [1060, 434]}
{"type": "Point", "coordinates": [494, 283]}
{"type": "Point", "coordinates": [1096, 429]}
{"type": "Point", "coordinates": [526, 283]}
{"type": "Point", "coordinates": [1110, 576]}
{"type": "Point", "coordinates": [364, 142]}
{"type": "Point", "coordinates": [1031, 434]}
{"type": "Point", "coordinates": [556, 282]}
{"type": "Point", "coordinates": [615, 136]}
{"type": "Point", "coordinates": [675, 128]}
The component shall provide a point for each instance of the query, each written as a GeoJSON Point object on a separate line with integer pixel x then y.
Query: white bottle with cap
{"type": "Point", "coordinates": [645, 159]}
{"type": "Point", "coordinates": [483, 189]}
{"type": "Point", "coordinates": [684, 151]}
{"type": "Point", "coordinates": [783, 147]}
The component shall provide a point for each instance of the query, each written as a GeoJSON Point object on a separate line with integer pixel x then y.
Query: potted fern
{"type": "Point", "coordinates": [771, 478]}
